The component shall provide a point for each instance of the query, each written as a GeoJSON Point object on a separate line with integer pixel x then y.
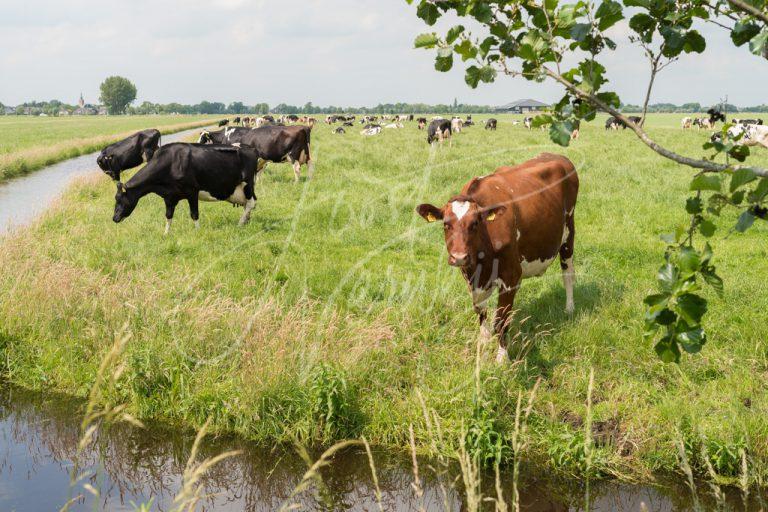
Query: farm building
{"type": "Point", "coordinates": [522, 106]}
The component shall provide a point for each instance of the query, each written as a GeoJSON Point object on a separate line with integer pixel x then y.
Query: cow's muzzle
{"type": "Point", "coordinates": [457, 259]}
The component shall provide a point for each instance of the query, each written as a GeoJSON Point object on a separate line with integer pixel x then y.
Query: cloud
{"type": "Point", "coordinates": [341, 52]}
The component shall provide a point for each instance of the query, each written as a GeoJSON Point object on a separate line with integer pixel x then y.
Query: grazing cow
{"type": "Point", "coordinates": [128, 153]}
{"type": "Point", "coordinates": [490, 124]}
{"type": "Point", "coordinates": [292, 118]}
{"type": "Point", "coordinates": [715, 116]}
{"type": "Point", "coordinates": [515, 122]}
{"type": "Point", "coordinates": [371, 130]}
{"type": "Point", "coordinates": [438, 131]}
{"type": "Point", "coordinates": [508, 226]}
{"type": "Point", "coordinates": [339, 131]}
{"type": "Point", "coordinates": [348, 123]}
{"type": "Point", "coordinates": [311, 121]}
{"type": "Point", "coordinates": [223, 122]}
{"type": "Point", "coordinates": [528, 122]}
{"type": "Point", "coordinates": [236, 120]}
{"type": "Point", "coordinates": [686, 123]}
{"type": "Point", "coordinates": [422, 122]}
{"type": "Point", "coordinates": [575, 131]}
{"type": "Point", "coordinates": [613, 124]}
{"type": "Point", "coordinates": [395, 125]}
{"type": "Point", "coordinates": [410, 117]}
{"type": "Point", "coordinates": [635, 119]}
{"type": "Point", "coordinates": [280, 144]}
{"type": "Point", "coordinates": [751, 134]}
{"type": "Point", "coordinates": [230, 135]}
{"type": "Point", "coordinates": [192, 172]}
{"type": "Point", "coordinates": [748, 121]}
{"type": "Point", "coordinates": [456, 125]}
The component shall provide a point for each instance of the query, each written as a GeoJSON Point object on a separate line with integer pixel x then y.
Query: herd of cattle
{"type": "Point", "coordinates": [502, 228]}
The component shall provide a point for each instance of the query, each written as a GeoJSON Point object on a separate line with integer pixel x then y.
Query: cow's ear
{"type": "Point", "coordinates": [491, 213]}
{"type": "Point", "coordinates": [430, 212]}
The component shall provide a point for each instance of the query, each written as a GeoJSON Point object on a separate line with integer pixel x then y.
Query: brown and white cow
{"type": "Point", "coordinates": [508, 226]}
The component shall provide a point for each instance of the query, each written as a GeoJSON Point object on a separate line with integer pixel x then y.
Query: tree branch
{"type": "Point", "coordinates": [704, 165]}
{"type": "Point", "coordinates": [744, 7]}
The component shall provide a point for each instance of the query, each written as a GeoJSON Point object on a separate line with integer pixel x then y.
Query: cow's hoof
{"type": "Point", "coordinates": [569, 309]}
{"type": "Point", "coordinates": [501, 355]}
{"type": "Point", "coordinates": [485, 333]}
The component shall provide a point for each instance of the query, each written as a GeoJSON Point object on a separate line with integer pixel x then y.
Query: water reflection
{"type": "Point", "coordinates": [38, 445]}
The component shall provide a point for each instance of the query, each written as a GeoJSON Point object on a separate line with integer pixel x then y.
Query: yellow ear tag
{"type": "Point", "coordinates": [431, 218]}
{"type": "Point", "coordinates": [490, 217]}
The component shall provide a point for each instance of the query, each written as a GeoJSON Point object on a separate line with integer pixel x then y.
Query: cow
{"type": "Point", "coordinates": [422, 123]}
{"type": "Point", "coordinates": [438, 131]}
{"type": "Point", "coordinates": [636, 120]}
{"type": "Point", "coordinates": [528, 122]}
{"type": "Point", "coordinates": [348, 123]}
{"type": "Point", "coordinates": [394, 125]}
{"type": "Point", "coordinates": [715, 116]}
{"type": "Point", "coordinates": [291, 118]}
{"type": "Point", "coordinates": [192, 172]}
{"type": "Point", "coordinates": [576, 128]}
{"type": "Point", "coordinates": [456, 125]}
{"type": "Point", "coordinates": [311, 121]}
{"type": "Point", "coordinates": [280, 144]}
{"type": "Point", "coordinates": [613, 123]}
{"type": "Point", "coordinates": [410, 117]}
{"type": "Point", "coordinates": [128, 153]}
{"type": "Point", "coordinates": [752, 134]}
{"type": "Point", "coordinates": [223, 122]}
{"type": "Point", "coordinates": [469, 121]}
{"type": "Point", "coordinates": [509, 226]}
{"type": "Point", "coordinates": [339, 131]}
{"type": "Point", "coordinates": [230, 135]}
{"type": "Point", "coordinates": [686, 123]}
{"type": "Point", "coordinates": [702, 122]}
{"type": "Point", "coordinates": [236, 120]}
{"type": "Point", "coordinates": [371, 130]}
{"type": "Point", "coordinates": [748, 121]}
{"type": "Point", "coordinates": [490, 124]}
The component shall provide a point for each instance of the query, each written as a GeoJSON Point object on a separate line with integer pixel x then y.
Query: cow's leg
{"type": "Point", "coordinates": [170, 207]}
{"type": "Point", "coordinates": [296, 171]}
{"type": "Point", "coordinates": [566, 262]}
{"type": "Point", "coordinates": [480, 297]}
{"type": "Point", "coordinates": [503, 317]}
{"type": "Point", "coordinates": [194, 210]}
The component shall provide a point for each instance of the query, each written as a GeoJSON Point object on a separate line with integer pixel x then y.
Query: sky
{"type": "Point", "coordinates": [329, 52]}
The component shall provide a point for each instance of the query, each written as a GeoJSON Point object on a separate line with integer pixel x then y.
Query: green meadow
{"type": "Point", "coordinates": [334, 314]}
{"type": "Point", "coordinates": [28, 143]}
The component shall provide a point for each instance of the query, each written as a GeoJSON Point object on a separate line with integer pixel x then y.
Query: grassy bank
{"type": "Point", "coordinates": [334, 314]}
{"type": "Point", "coordinates": [29, 143]}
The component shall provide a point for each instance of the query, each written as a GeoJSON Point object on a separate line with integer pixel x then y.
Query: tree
{"type": "Point", "coordinates": [117, 93]}
{"type": "Point", "coordinates": [533, 39]}
{"type": "Point", "coordinates": [237, 107]}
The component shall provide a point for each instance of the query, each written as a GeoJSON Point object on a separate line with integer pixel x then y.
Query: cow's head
{"type": "Point", "coordinates": [205, 137]}
{"type": "Point", "coordinates": [124, 203]}
{"type": "Point", "coordinates": [465, 228]}
{"type": "Point", "coordinates": [107, 163]}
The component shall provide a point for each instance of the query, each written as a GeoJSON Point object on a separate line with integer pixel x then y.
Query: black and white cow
{"type": "Point", "coordinates": [528, 122]}
{"type": "Point", "coordinates": [278, 144]}
{"type": "Point", "coordinates": [224, 122]}
{"type": "Point", "coordinates": [128, 153]}
{"type": "Point", "coordinates": [230, 135]}
{"type": "Point", "coordinates": [635, 119]}
{"type": "Point", "coordinates": [613, 124]}
{"type": "Point", "coordinates": [439, 130]}
{"type": "Point", "coordinates": [422, 123]}
{"type": "Point", "coordinates": [339, 131]}
{"type": "Point", "coordinates": [192, 172]}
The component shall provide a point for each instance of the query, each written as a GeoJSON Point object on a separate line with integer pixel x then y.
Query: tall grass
{"type": "Point", "coordinates": [333, 314]}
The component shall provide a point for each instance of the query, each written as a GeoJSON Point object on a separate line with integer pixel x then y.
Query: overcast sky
{"type": "Point", "coordinates": [339, 52]}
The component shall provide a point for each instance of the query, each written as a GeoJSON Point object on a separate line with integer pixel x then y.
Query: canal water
{"type": "Point", "coordinates": [127, 466]}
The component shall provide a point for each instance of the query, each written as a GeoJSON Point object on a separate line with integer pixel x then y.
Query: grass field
{"type": "Point", "coordinates": [29, 143]}
{"type": "Point", "coordinates": [334, 314]}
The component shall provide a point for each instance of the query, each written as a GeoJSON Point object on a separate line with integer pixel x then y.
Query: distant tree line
{"type": "Point", "coordinates": [690, 108]}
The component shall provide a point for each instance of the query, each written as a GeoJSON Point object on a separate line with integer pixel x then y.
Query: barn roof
{"type": "Point", "coordinates": [527, 103]}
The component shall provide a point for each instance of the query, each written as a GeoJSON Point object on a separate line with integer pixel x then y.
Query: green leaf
{"type": "Point", "coordinates": [428, 12]}
{"type": "Point", "coordinates": [656, 299]}
{"type": "Point", "coordinates": [694, 42]}
{"type": "Point", "coordinates": [425, 40]}
{"type": "Point", "coordinates": [454, 33]}
{"type": "Point", "coordinates": [668, 351]}
{"type": "Point", "coordinates": [610, 98]}
{"type": "Point", "coordinates": [739, 152]}
{"type": "Point", "coordinates": [644, 25]}
{"type": "Point", "coordinates": [692, 340]}
{"type": "Point", "coordinates": [744, 31]}
{"type": "Point", "coordinates": [466, 49]}
{"type": "Point", "coordinates": [693, 205]}
{"type": "Point", "coordinates": [608, 14]}
{"type": "Point", "coordinates": [444, 63]}
{"type": "Point", "coordinates": [706, 182]}
{"type": "Point", "coordinates": [691, 308]}
{"type": "Point", "coordinates": [445, 52]}
{"type": "Point", "coordinates": [741, 177]}
{"type": "Point", "coordinates": [666, 317]}
{"type": "Point", "coordinates": [487, 74]}
{"type": "Point", "coordinates": [482, 12]}
{"type": "Point", "coordinates": [713, 280]}
{"type": "Point", "coordinates": [560, 132]}
{"type": "Point", "coordinates": [667, 276]}
{"type": "Point", "coordinates": [472, 76]}
{"type": "Point", "coordinates": [688, 261]}
{"type": "Point", "coordinates": [579, 31]}
{"type": "Point", "coordinates": [707, 228]}
{"type": "Point", "coordinates": [746, 219]}
{"type": "Point", "coordinates": [674, 40]}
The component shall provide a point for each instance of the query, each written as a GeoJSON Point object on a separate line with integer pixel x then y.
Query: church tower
{"type": "Point", "coordinates": [81, 101]}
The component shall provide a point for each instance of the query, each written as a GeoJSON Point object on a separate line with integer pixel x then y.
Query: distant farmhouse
{"type": "Point", "coordinates": [9, 111]}
{"type": "Point", "coordinates": [522, 107]}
